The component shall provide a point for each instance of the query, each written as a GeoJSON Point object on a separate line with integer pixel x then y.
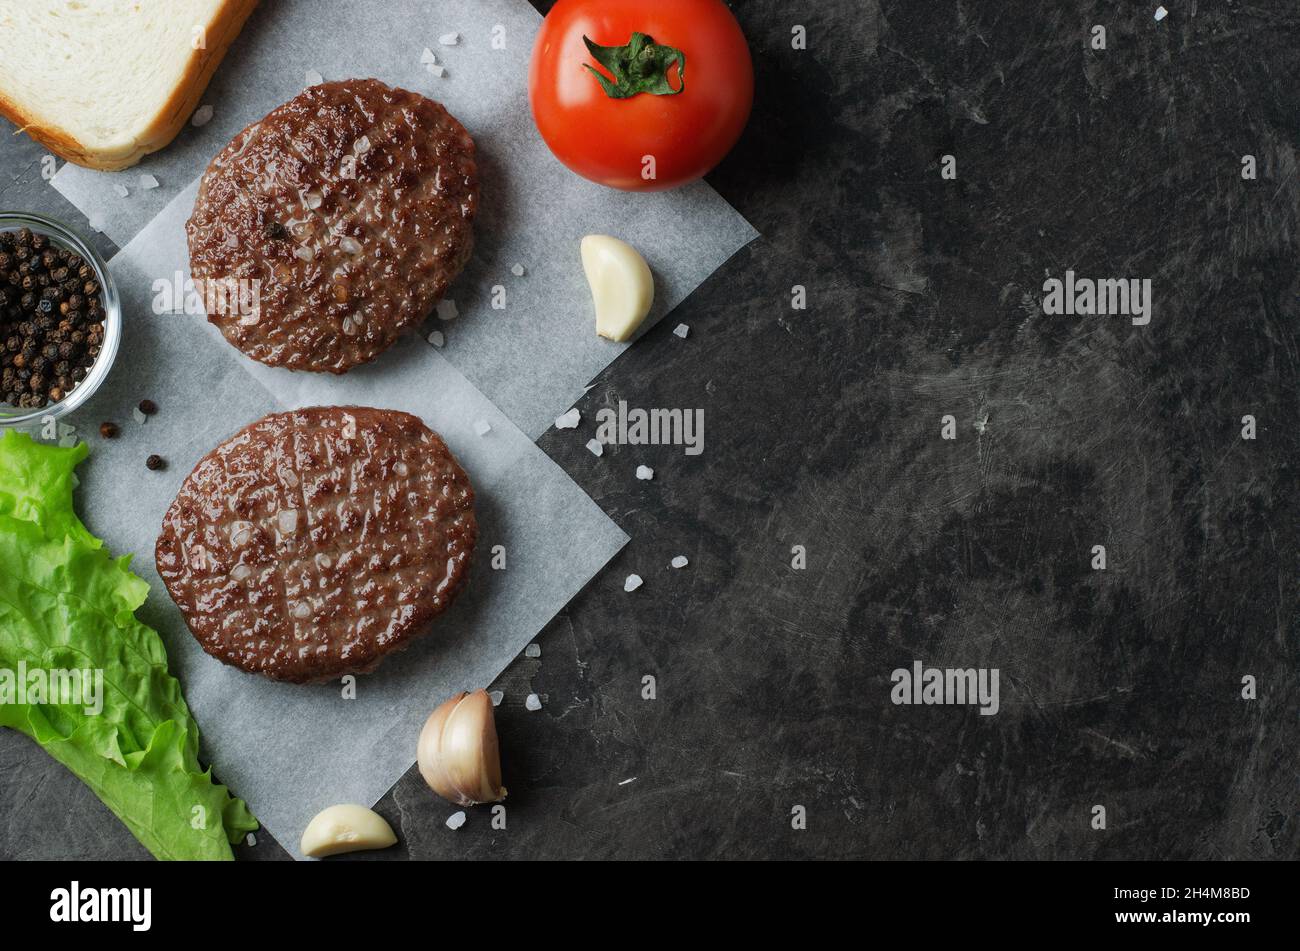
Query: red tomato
{"type": "Point", "coordinates": [651, 139]}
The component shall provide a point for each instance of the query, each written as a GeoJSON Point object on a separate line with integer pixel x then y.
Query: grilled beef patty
{"type": "Point", "coordinates": [324, 231]}
{"type": "Point", "coordinates": [313, 542]}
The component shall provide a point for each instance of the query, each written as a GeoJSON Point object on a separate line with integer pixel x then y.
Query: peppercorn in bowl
{"type": "Point", "coordinates": [60, 319]}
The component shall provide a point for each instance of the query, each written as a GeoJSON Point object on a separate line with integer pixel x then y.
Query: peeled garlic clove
{"type": "Point", "coordinates": [621, 285]}
{"type": "Point", "coordinates": [458, 753]}
{"type": "Point", "coordinates": [345, 828]}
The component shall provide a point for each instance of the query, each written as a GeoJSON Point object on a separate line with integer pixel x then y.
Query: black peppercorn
{"type": "Point", "coordinates": [148, 407]}
{"type": "Point", "coordinates": [154, 463]}
{"type": "Point", "coordinates": [108, 430]}
{"type": "Point", "coordinates": [50, 310]}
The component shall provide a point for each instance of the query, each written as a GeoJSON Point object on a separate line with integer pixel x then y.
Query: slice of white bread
{"type": "Point", "coordinates": [105, 82]}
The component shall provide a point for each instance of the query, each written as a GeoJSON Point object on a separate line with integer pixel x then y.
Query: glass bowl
{"type": "Point", "coordinates": [64, 237]}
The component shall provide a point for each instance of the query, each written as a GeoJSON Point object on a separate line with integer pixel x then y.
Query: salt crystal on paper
{"type": "Point", "coordinates": [482, 427]}
{"type": "Point", "coordinates": [202, 116]}
{"type": "Point", "coordinates": [1161, 13]}
{"type": "Point", "coordinates": [148, 182]}
{"type": "Point", "coordinates": [250, 839]}
{"type": "Point", "coordinates": [496, 696]}
{"type": "Point", "coordinates": [68, 441]}
{"type": "Point", "coordinates": [680, 562]}
{"type": "Point", "coordinates": [437, 339]}
{"type": "Point", "coordinates": [533, 650]}
{"type": "Point", "coordinates": [533, 702]}
{"type": "Point", "coordinates": [427, 57]}
{"type": "Point", "coordinates": [517, 270]}
{"type": "Point", "coordinates": [96, 222]}
{"type": "Point", "coordinates": [569, 420]}
{"type": "Point", "coordinates": [437, 70]}
{"type": "Point", "coordinates": [681, 330]}
{"type": "Point", "coordinates": [632, 583]}
{"type": "Point", "coordinates": [645, 473]}
{"type": "Point", "coordinates": [626, 781]}
{"type": "Point", "coordinates": [121, 190]}
{"type": "Point", "coordinates": [595, 448]}
{"type": "Point", "coordinates": [447, 310]}
{"type": "Point", "coordinates": [139, 416]}
{"type": "Point", "coordinates": [456, 820]}
{"type": "Point", "coordinates": [449, 39]}
{"type": "Point", "coordinates": [314, 78]}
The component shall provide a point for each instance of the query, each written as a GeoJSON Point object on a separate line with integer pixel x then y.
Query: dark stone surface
{"type": "Point", "coordinates": [1119, 687]}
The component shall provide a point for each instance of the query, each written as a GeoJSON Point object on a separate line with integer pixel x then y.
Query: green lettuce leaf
{"type": "Point", "coordinates": [65, 604]}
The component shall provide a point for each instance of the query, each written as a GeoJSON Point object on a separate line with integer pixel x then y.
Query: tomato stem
{"type": "Point", "coordinates": [640, 66]}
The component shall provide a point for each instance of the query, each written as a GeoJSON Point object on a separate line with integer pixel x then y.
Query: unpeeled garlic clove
{"type": "Point", "coordinates": [345, 828]}
{"type": "Point", "coordinates": [622, 287]}
{"type": "Point", "coordinates": [458, 754]}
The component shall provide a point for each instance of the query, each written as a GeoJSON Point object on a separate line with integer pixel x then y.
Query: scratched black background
{"type": "Point", "coordinates": [1119, 687]}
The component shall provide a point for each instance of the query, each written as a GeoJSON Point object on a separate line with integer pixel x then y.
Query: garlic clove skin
{"type": "Point", "coordinates": [622, 287]}
{"type": "Point", "coordinates": [345, 828]}
{"type": "Point", "coordinates": [458, 753]}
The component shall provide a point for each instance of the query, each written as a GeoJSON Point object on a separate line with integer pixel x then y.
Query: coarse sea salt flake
{"type": "Point", "coordinates": [148, 182]}
{"type": "Point", "coordinates": [427, 57]}
{"type": "Point", "coordinates": [447, 309]}
{"type": "Point", "coordinates": [679, 562]}
{"type": "Point", "coordinates": [533, 702]}
{"type": "Point", "coordinates": [314, 78]}
{"type": "Point", "coordinates": [517, 270]}
{"type": "Point", "coordinates": [569, 420]}
{"type": "Point", "coordinates": [449, 39]}
{"type": "Point", "coordinates": [626, 781]}
{"type": "Point", "coordinates": [1161, 13]}
{"type": "Point", "coordinates": [595, 448]}
{"type": "Point", "coordinates": [632, 583]}
{"type": "Point", "coordinates": [437, 70]}
{"type": "Point", "coordinates": [533, 650]}
{"type": "Point", "coordinates": [121, 190]}
{"type": "Point", "coordinates": [202, 116]}
{"type": "Point", "coordinates": [350, 244]}
{"type": "Point", "coordinates": [437, 339]}
{"type": "Point", "coordinates": [644, 473]}
{"type": "Point", "coordinates": [96, 222]}
{"type": "Point", "coordinates": [456, 820]}
{"type": "Point", "coordinates": [496, 696]}
{"type": "Point", "coordinates": [681, 330]}
{"type": "Point", "coordinates": [139, 416]}
{"type": "Point", "coordinates": [482, 427]}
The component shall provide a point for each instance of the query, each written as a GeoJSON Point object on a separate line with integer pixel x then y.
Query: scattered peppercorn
{"type": "Point", "coordinates": [108, 430]}
{"type": "Point", "coordinates": [51, 319]}
{"type": "Point", "coordinates": [154, 463]}
{"type": "Point", "coordinates": [148, 407]}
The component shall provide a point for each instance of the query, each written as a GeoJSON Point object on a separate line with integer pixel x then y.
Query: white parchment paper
{"type": "Point", "coordinates": [290, 750]}
{"type": "Point", "coordinates": [533, 357]}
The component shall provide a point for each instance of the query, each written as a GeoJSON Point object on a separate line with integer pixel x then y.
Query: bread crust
{"type": "Point", "coordinates": [219, 34]}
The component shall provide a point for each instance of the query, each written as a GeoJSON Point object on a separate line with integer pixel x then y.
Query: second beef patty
{"type": "Point", "coordinates": [314, 542]}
